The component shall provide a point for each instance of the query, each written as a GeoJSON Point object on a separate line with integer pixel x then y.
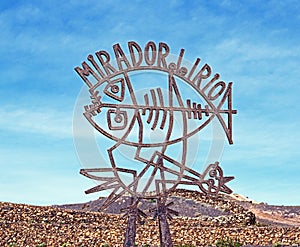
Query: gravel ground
{"type": "Point", "coordinates": [217, 219]}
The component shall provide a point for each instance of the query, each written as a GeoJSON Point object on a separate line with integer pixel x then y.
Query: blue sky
{"type": "Point", "coordinates": [255, 44]}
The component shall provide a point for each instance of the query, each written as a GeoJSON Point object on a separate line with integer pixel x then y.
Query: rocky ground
{"type": "Point", "coordinates": [202, 221]}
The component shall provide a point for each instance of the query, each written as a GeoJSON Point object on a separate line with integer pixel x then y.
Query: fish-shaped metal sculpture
{"type": "Point", "coordinates": [117, 113]}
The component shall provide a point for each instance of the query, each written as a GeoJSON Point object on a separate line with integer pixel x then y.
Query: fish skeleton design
{"type": "Point", "coordinates": [117, 113]}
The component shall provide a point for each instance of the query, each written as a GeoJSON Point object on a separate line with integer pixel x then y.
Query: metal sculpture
{"type": "Point", "coordinates": [126, 116]}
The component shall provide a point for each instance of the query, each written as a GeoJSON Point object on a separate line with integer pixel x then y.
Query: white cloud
{"type": "Point", "coordinates": [38, 121]}
{"type": "Point", "coordinates": [260, 143]}
{"type": "Point", "coordinates": [256, 51]}
{"type": "Point", "coordinates": [46, 187]}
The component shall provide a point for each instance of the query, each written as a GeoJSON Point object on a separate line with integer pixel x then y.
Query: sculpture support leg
{"type": "Point", "coordinates": [130, 233]}
{"type": "Point", "coordinates": [164, 230]}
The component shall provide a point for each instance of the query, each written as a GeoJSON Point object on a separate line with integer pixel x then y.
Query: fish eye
{"type": "Point", "coordinates": [118, 118]}
{"type": "Point", "coordinates": [115, 88]}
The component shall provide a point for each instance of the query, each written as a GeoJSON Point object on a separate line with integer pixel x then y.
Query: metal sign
{"type": "Point", "coordinates": [151, 104]}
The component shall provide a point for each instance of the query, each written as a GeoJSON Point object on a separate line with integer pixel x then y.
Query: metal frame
{"type": "Point", "coordinates": [156, 112]}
